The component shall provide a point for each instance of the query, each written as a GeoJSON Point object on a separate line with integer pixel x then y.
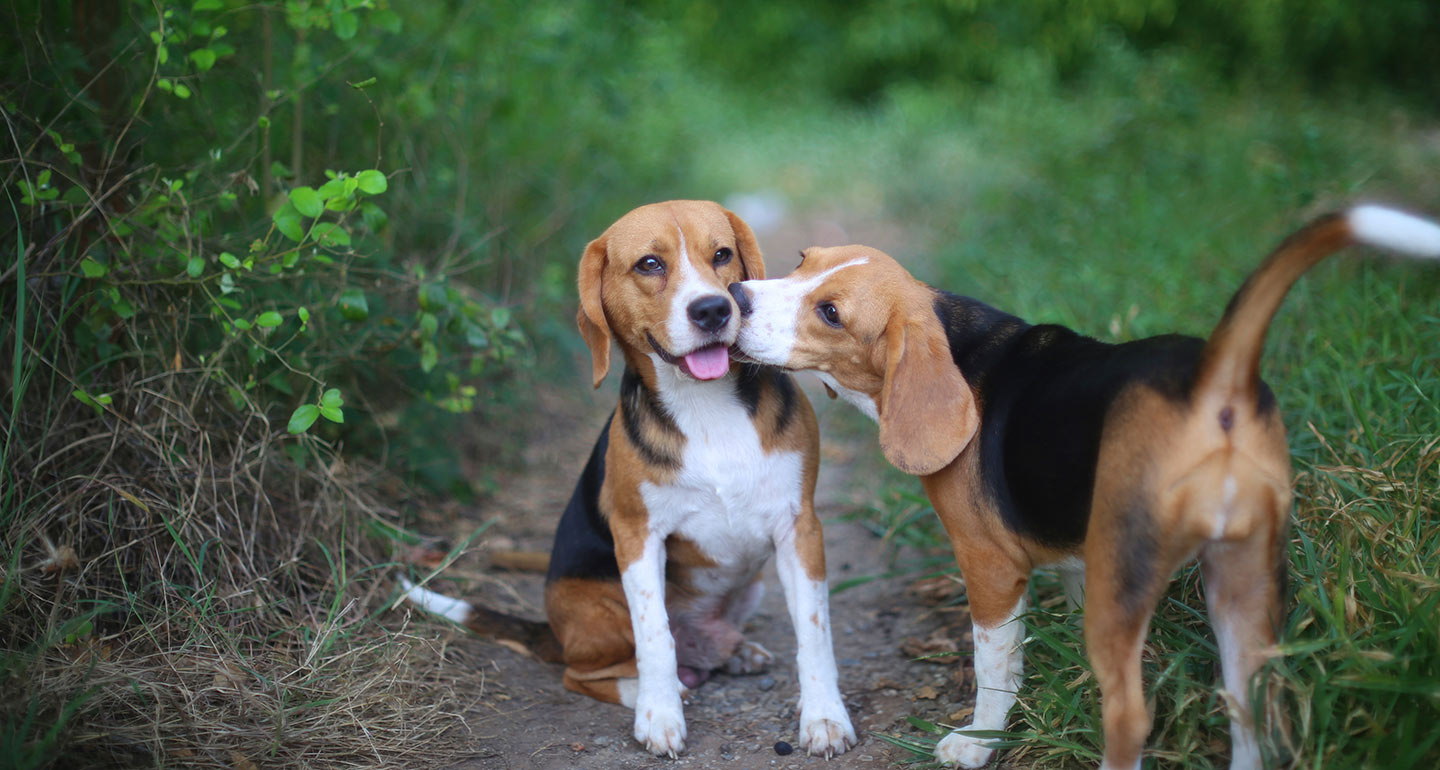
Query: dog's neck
{"type": "Point", "coordinates": [979, 334]}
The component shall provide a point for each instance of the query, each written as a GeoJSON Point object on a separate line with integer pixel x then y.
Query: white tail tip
{"type": "Point", "coordinates": [1393, 230]}
{"type": "Point", "coordinates": [453, 610]}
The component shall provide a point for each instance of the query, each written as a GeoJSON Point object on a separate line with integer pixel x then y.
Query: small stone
{"type": "Point", "coordinates": [601, 740]}
{"type": "Point", "coordinates": [782, 748]}
{"type": "Point", "coordinates": [767, 683]}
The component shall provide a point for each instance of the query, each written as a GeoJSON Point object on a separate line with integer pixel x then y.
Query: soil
{"type": "Point", "coordinates": [524, 718]}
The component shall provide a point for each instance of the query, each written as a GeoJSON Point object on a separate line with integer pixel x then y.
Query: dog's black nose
{"type": "Point", "coordinates": [742, 297]}
{"type": "Point", "coordinates": [709, 313]}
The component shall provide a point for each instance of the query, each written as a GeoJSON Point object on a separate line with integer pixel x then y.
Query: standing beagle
{"type": "Point", "coordinates": [703, 471]}
{"type": "Point", "coordinates": [1039, 446]}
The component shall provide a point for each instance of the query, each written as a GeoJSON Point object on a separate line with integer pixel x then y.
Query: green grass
{"type": "Point", "coordinates": [1135, 204]}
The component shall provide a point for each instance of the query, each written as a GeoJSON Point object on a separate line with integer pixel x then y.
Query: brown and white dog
{"type": "Point", "coordinates": [1038, 446]}
{"type": "Point", "coordinates": [703, 471]}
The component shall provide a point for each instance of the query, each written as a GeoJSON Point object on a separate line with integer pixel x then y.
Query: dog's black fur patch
{"type": "Point", "coordinates": [1044, 395]}
{"type": "Point", "coordinates": [584, 547]}
{"type": "Point", "coordinates": [640, 412]}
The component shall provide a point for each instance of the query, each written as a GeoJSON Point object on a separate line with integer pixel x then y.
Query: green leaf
{"type": "Point", "coordinates": [373, 216]}
{"type": "Point", "coordinates": [263, 122]}
{"type": "Point", "coordinates": [269, 319]}
{"type": "Point", "coordinates": [204, 58]}
{"type": "Point", "coordinates": [287, 221]}
{"type": "Point", "coordinates": [182, 90]}
{"type": "Point", "coordinates": [243, 325]}
{"type": "Point", "coordinates": [346, 24]}
{"type": "Point", "coordinates": [332, 413]}
{"type": "Point", "coordinates": [195, 266]}
{"type": "Point", "coordinates": [366, 83]}
{"type": "Point", "coordinates": [386, 20]}
{"type": "Point", "coordinates": [500, 317]}
{"type": "Point", "coordinates": [429, 356]}
{"type": "Point", "coordinates": [229, 260]}
{"type": "Point", "coordinates": [303, 417]}
{"type": "Point", "coordinates": [92, 269]}
{"type": "Point", "coordinates": [307, 201]}
{"type": "Point", "coordinates": [304, 313]}
{"type": "Point", "coordinates": [372, 182]}
{"type": "Point", "coordinates": [86, 399]}
{"type": "Point", "coordinates": [353, 306]}
{"type": "Point", "coordinates": [332, 397]}
{"type": "Point", "coordinates": [429, 324]}
{"type": "Point", "coordinates": [165, 85]}
{"type": "Point", "coordinates": [332, 234]}
{"type": "Point", "coordinates": [331, 189]}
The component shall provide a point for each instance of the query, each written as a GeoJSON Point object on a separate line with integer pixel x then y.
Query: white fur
{"type": "Point", "coordinates": [737, 503]}
{"type": "Point", "coordinates": [453, 610]}
{"type": "Point", "coordinates": [855, 398]}
{"type": "Point", "coordinates": [998, 665]}
{"type": "Point", "coordinates": [768, 334]}
{"type": "Point", "coordinates": [1393, 230]}
{"type": "Point", "coordinates": [690, 286]}
{"type": "Point", "coordinates": [1244, 747]}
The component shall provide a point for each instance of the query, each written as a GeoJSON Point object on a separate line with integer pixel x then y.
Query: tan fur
{"type": "Point", "coordinates": [1206, 478]}
{"type": "Point", "coordinates": [591, 617]}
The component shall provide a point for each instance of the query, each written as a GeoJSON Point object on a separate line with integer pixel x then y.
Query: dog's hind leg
{"type": "Point", "coordinates": [1242, 589]}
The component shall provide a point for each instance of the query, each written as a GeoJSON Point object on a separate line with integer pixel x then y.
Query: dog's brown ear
{"type": "Point", "coordinates": [751, 260]}
{"type": "Point", "coordinates": [591, 318]}
{"type": "Point", "coordinates": [927, 411]}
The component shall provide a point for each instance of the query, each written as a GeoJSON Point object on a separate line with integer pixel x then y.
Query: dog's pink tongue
{"type": "Point", "coordinates": [708, 363]}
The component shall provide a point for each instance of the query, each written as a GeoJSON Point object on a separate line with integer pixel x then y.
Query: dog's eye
{"type": "Point", "coordinates": [723, 256]}
{"type": "Point", "coordinates": [829, 314]}
{"type": "Point", "coordinates": [649, 265]}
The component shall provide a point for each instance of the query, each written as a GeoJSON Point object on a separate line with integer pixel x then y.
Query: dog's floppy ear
{"type": "Point", "coordinates": [927, 411]}
{"type": "Point", "coordinates": [751, 261]}
{"type": "Point", "coordinates": [591, 318]}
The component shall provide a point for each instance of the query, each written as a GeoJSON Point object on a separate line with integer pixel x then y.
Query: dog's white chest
{"type": "Point", "coordinates": [729, 497]}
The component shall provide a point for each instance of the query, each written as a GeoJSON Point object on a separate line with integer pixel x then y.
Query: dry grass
{"type": "Point", "coordinates": [176, 590]}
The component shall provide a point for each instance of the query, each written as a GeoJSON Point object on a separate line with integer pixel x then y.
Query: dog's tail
{"type": "Point", "coordinates": [536, 637]}
{"type": "Point", "coordinates": [1230, 365]}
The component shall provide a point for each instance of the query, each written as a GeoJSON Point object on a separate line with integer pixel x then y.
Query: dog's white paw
{"type": "Point", "coordinates": [661, 729]}
{"type": "Point", "coordinates": [963, 751]}
{"type": "Point", "coordinates": [825, 729]}
{"type": "Point", "coordinates": [749, 658]}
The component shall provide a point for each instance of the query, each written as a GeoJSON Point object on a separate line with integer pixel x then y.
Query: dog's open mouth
{"type": "Point", "coordinates": [708, 363]}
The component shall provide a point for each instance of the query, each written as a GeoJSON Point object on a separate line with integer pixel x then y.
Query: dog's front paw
{"type": "Point", "coordinates": [963, 751]}
{"type": "Point", "coordinates": [749, 658]}
{"type": "Point", "coordinates": [825, 730]}
{"type": "Point", "coordinates": [661, 729]}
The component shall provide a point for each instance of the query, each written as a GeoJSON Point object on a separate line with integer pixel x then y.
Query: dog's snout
{"type": "Point", "coordinates": [709, 313]}
{"type": "Point", "coordinates": [742, 297]}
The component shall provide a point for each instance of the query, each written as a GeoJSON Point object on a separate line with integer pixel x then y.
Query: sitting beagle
{"type": "Point", "coordinates": [703, 470]}
{"type": "Point", "coordinates": [1039, 446]}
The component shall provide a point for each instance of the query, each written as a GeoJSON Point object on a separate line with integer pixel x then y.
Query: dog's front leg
{"type": "Point", "coordinates": [825, 728]}
{"type": "Point", "coordinates": [659, 719]}
{"type": "Point", "coordinates": [998, 666]}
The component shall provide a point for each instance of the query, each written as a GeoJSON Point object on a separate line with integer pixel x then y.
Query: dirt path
{"type": "Point", "coordinates": [526, 719]}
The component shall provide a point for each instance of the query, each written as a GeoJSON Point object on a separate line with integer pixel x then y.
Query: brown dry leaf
{"type": "Point", "coordinates": [421, 556]}
{"type": "Point", "coordinates": [936, 590]}
{"type": "Point", "coordinates": [240, 762]}
{"type": "Point", "coordinates": [511, 644]}
{"type": "Point", "coordinates": [886, 684]}
{"type": "Point", "coordinates": [577, 747]}
{"type": "Point", "coordinates": [927, 692]}
{"type": "Point", "coordinates": [937, 644]}
{"type": "Point", "coordinates": [960, 715]}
